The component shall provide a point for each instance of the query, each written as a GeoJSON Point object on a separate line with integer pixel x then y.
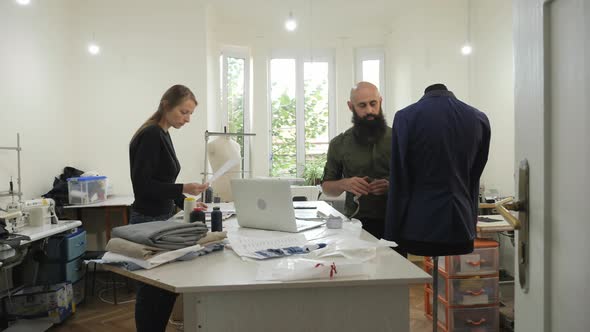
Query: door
{"type": "Point", "coordinates": [552, 76]}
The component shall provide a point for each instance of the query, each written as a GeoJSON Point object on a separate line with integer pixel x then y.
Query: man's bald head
{"type": "Point", "coordinates": [363, 87]}
{"type": "Point", "coordinates": [365, 100]}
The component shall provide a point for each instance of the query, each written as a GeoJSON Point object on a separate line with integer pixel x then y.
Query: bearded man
{"type": "Point", "coordinates": [358, 160]}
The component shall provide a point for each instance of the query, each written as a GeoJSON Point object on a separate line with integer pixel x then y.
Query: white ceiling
{"type": "Point", "coordinates": [324, 14]}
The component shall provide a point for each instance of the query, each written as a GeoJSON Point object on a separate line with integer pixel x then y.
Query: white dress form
{"type": "Point", "coordinates": [221, 150]}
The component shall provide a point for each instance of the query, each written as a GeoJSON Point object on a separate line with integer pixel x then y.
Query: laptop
{"type": "Point", "coordinates": [267, 204]}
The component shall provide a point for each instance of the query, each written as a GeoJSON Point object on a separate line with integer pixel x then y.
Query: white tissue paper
{"type": "Point", "coordinates": [352, 248]}
{"type": "Point", "coordinates": [292, 269]}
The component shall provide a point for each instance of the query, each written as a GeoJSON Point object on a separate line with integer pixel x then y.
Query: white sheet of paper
{"type": "Point", "coordinates": [226, 167]}
{"type": "Point", "coordinates": [248, 246]}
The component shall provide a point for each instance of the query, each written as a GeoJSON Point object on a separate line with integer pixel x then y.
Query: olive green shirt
{"type": "Point", "coordinates": [347, 158]}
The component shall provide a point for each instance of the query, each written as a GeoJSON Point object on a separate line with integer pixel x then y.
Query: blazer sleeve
{"type": "Point", "coordinates": [398, 198]}
{"type": "Point", "coordinates": [480, 162]}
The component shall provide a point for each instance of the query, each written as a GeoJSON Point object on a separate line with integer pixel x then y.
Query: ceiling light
{"type": "Point", "coordinates": [93, 49]}
{"type": "Point", "coordinates": [290, 23]}
{"type": "Point", "coordinates": [466, 49]}
{"type": "Point", "coordinates": [23, 2]}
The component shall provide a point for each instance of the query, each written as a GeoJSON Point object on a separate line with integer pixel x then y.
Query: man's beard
{"type": "Point", "coordinates": [368, 131]}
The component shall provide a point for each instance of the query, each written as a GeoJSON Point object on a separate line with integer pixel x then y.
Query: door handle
{"type": "Point", "coordinates": [520, 223]}
{"type": "Point", "coordinates": [507, 204]}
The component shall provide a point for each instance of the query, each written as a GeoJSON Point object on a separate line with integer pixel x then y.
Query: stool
{"type": "Point", "coordinates": [89, 255]}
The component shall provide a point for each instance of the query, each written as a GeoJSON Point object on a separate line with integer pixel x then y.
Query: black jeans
{"type": "Point", "coordinates": [374, 226]}
{"type": "Point", "coordinates": [153, 305]}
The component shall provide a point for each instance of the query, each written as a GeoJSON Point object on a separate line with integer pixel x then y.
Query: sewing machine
{"type": "Point", "coordinates": [34, 212]}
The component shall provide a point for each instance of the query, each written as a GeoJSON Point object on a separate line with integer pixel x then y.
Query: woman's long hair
{"type": "Point", "coordinates": [173, 97]}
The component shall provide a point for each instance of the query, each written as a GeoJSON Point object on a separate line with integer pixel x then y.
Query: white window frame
{"type": "Point", "coordinates": [300, 58]}
{"type": "Point", "coordinates": [239, 53]}
{"type": "Point", "coordinates": [371, 53]}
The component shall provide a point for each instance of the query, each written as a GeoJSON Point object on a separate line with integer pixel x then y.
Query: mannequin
{"type": "Point", "coordinates": [440, 147]}
{"type": "Point", "coordinates": [220, 151]}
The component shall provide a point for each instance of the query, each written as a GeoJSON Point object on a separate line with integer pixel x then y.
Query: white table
{"type": "Point", "coordinates": [115, 203]}
{"type": "Point", "coordinates": [44, 231]}
{"type": "Point", "coordinates": [501, 225]}
{"type": "Point", "coordinates": [221, 293]}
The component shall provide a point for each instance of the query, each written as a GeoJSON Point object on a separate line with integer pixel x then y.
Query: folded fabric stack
{"type": "Point", "coordinates": [162, 234]}
{"type": "Point", "coordinates": [147, 245]}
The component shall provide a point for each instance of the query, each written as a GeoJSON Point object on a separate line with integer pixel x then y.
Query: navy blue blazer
{"type": "Point", "coordinates": [439, 150]}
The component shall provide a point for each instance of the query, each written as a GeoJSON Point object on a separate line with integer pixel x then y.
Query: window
{"type": "Point", "coordinates": [235, 97]}
{"type": "Point", "coordinates": [301, 121]}
{"type": "Point", "coordinates": [370, 67]}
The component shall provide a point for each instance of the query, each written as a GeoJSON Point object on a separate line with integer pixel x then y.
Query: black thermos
{"type": "Point", "coordinates": [209, 195]}
{"type": "Point", "coordinates": [197, 215]}
{"type": "Point", "coordinates": [216, 217]}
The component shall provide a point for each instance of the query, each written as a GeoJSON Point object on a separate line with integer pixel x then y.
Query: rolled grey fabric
{"type": "Point", "coordinates": [162, 234]}
{"type": "Point", "coordinates": [131, 249]}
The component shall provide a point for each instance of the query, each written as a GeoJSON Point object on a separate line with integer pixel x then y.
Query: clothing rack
{"type": "Point", "coordinates": [224, 133]}
{"type": "Point", "coordinates": [11, 192]}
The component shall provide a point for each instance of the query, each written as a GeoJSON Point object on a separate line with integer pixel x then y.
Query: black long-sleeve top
{"type": "Point", "coordinates": [154, 168]}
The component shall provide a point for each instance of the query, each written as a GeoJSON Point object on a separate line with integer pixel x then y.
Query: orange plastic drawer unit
{"type": "Point", "coordinates": [484, 260]}
{"type": "Point", "coordinates": [464, 319]}
{"type": "Point", "coordinates": [467, 290]}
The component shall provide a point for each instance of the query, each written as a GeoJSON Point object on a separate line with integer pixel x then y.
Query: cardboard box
{"type": "Point", "coordinates": [53, 301]}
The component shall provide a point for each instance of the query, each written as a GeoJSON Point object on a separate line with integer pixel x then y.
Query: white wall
{"type": "Point", "coordinates": [147, 46]}
{"type": "Point", "coordinates": [34, 94]}
{"type": "Point", "coordinates": [492, 87]}
{"type": "Point", "coordinates": [424, 48]}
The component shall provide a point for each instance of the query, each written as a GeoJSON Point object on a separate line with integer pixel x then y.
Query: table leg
{"type": "Point", "coordinates": [108, 226]}
{"type": "Point", "coordinates": [125, 215]}
{"type": "Point", "coordinates": [190, 313]}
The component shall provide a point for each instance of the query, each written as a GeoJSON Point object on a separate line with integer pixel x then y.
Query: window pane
{"type": "Point", "coordinates": [283, 139]}
{"type": "Point", "coordinates": [235, 99]}
{"type": "Point", "coordinates": [371, 72]}
{"type": "Point", "coordinates": [315, 75]}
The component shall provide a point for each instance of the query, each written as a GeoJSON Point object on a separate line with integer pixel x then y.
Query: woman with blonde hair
{"type": "Point", "coordinates": [154, 169]}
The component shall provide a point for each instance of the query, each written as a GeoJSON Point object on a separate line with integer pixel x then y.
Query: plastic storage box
{"type": "Point", "coordinates": [65, 258]}
{"type": "Point", "coordinates": [54, 272]}
{"type": "Point", "coordinates": [66, 247]}
{"type": "Point", "coordinates": [465, 319]}
{"type": "Point", "coordinates": [466, 291]}
{"type": "Point", "coordinates": [483, 261]}
{"type": "Point", "coordinates": [85, 190]}
{"type": "Point", "coordinates": [55, 302]}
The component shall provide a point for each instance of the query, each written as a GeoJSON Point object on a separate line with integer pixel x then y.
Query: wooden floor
{"type": "Point", "coordinates": [96, 315]}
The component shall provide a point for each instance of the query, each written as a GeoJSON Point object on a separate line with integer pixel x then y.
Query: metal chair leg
{"type": "Point", "coordinates": [114, 288]}
{"type": "Point", "coordinates": [86, 281]}
{"type": "Point", "coordinates": [93, 279]}
{"type": "Point", "coordinates": [435, 294]}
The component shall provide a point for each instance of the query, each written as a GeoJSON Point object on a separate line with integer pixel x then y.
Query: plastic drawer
{"type": "Point", "coordinates": [66, 247]}
{"type": "Point", "coordinates": [56, 272]}
{"type": "Point", "coordinates": [474, 319]}
{"type": "Point", "coordinates": [483, 260]}
{"type": "Point", "coordinates": [465, 319]}
{"type": "Point", "coordinates": [468, 291]}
